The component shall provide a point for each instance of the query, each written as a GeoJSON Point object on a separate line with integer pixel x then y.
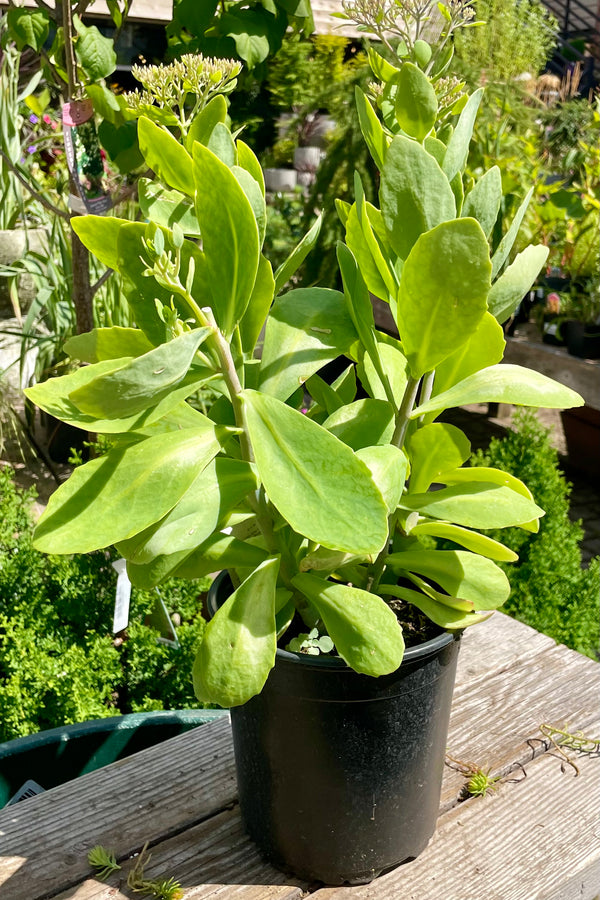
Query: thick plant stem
{"type": "Point", "coordinates": [234, 385]}
{"type": "Point", "coordinates": [403, 417]}
{"type": "Point", "coordinates": [402, 422]}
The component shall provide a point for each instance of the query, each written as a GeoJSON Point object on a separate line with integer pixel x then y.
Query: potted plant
{"type": "Point", "coordinates": [323, 508]}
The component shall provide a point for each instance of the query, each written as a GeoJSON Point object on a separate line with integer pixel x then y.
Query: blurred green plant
{"type": "Point", "coordinates": [518, 39]}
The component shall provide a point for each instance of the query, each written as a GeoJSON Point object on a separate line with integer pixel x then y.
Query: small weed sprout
{"type": "Point", "coordinates": [311, 643]}
{"type": "Point", "coordinates": [103, 861]}
{"type": "Point", "coordinates": [480, 783]}
{"type": "Point", "coordinates": [159, 889]}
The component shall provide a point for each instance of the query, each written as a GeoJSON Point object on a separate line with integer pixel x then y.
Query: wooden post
{"type": "Point", "coordinates": [82, 289]}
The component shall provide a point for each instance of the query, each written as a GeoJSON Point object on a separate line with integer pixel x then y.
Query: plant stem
{"type": "Point", "coordinates": [426, 389]}
{"type": "Point", "coordinates": [403, 417]}
{"type": "Point", "coordinates": [234, 385]}
{"type": "Point", "coordinates": [402, 422]}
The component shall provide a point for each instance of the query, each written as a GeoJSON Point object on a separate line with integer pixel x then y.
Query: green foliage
{"type": "Point", "coordinates": [518, 37]}
{"type": "Point", "coordinates": [58, 661]}
{"type": "Point", "coordinates": [550, 589]}
{"type": "Point", "coordinates": [103, 861]}
{"type": "Point", "coordinates": [295, 486]}
{"type": "Point", "coordinates": [252, 33]}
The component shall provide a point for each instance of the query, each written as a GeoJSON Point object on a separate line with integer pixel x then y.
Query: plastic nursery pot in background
{"type": "Point", "coordinates": [339, 774]}
{"type": "Point", "coordinates": [54, 757]}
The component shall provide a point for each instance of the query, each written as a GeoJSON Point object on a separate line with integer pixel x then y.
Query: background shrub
{"type": "Point", "coordinates": [59, 662]}
{"type": "Point", "coordinates": [550, 589]}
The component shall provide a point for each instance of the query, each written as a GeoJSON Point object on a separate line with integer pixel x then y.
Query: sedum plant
{"type": "Point", "coordinates": [323, 500]}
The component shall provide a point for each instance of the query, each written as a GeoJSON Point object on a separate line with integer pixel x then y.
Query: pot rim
{"type": "Point", "coordinates": [411, 654]}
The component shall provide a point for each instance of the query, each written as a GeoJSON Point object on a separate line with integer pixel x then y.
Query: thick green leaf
{"type": "Point", "coordinates": [514, 283]}
{"type": "Point", "coordinates": [388, 466]}
{"type": "Point", "coordinates": [443, 291]}
{"type": "Point", "coordinates": [373, 133]}
{"type": "Point", "coordinates": [415, 194]}
{"type": "Point", "coordinates": [484, 347]}
{"type": "Point", "coordinates": [504, 383]}
{"type": "Point", "coordinates": [472, 540]}
{"type": "Point", "coordinates": [28, 27]}
{"type": "Point", "coordinates": [358, 302]}
{"type": "Point", "coordinates": [255, 197]}
{"type": "Point", "coordinates": [248, 161]}
{"type": "Point", "coordinates": [107, 343]}
{"type": "Point", "coordinates": [204, 122]}
{"type": "Point", "coordinates": [365, 631]}
{"type": "Point", "coordinates": [416, 102]}
{"type": "Point", "coordinates": [143, 382]}
{"type": "Point", "coordinates": [201, 510]}
{"type": "Point", "coordinates": [362, 252]}
{"type": "Point", "coordinates": [219, 551]}
{"type": "Point", "coordinates": [229, 237]}
{"type": "Point", "coordinates": [117, 495]}
{"type": "Point", "coordinates": [507, 242]}
{"type": "Point", "coordinates": [298, 255]}
{"type": "Point", "coordinates": [460, 573]}
{"type": "Point", "coordinates": [314, 480]}
{"type": "Point", "coordinates": [483, 201]}
{"type": "Point", "coordinates": [166, 156]}
{"type": "Point", "coordinates": [222, 145]}
{"type": "Point", "coordinates": [395, 366]}
{"type": "Point", "coordinates": [363, 423]}
{"type": "Point", "coordinates": [440, 613]}
{"type": "Point", "coordinates": [95, 53]}
{"type": "Point", "coordinates": [381, 68]}
{"type": "Point", "coordinates": [166, 207]}
{"type": "Point", "coordinates": [53, 397]}
{"type": "Point", "coordinates": [475, 504]}
{"type": "Point", "coordinates": [258, 308]}
{"type": "Point", "coordinates": [433, 449]}
{"type": "Point", "coordinates": [441, 597]}
{"type": "Point", "coordinates": [100, 235]}
{"type": "Point", "coordinates": [323, 394]}
{"type": "Point", "coordinates": [305, 329]}
{"type": "Point", "coordinates": [457, 149]}
{"type": "Point", "coordinates": [239, 643]}
{"type": "Point", "coordinates": [492, 476]}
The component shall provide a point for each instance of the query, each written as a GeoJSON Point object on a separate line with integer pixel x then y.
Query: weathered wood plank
{"type": "Point", "coordinates": [495, 646]}
{"type": "Point", "coordinates": [148, 796]}
{"type": "Point", "coordinates": [495, 722]}
{"type": "Point", "coordinates": [213, 859]}
{"type": "Point", "coordinates": [537, 839]}
{"type": "Point", "coordinates": [170, 789]}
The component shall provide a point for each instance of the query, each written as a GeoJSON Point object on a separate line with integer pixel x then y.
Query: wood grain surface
{"type": "Point", "coordinates": [536, 838]}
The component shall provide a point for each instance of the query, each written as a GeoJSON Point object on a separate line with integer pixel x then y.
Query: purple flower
{"type": "Point", "coordinates": [33, 119]}
{"type": "Point", "coordinates": [31, 149]}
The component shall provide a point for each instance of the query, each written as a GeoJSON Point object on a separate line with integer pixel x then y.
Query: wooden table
{"type": "Point", "coordinates": [536, 838]}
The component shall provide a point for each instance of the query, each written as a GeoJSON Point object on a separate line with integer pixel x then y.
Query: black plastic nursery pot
{"type": "Point", "coordinates": [58, 755]}
{"type": "Point", "coordinates": [339, 774]}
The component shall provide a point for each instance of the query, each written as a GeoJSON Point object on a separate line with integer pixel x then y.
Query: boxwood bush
{"type": "Point", "coordinates": [59, 662]}
{"type": "Point", "coordinates": [551, 591]}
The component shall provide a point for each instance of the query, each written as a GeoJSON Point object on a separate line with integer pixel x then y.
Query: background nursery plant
{"type": "Point", "coordinates": [318, 498]}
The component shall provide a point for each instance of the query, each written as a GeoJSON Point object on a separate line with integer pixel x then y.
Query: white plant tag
{"type": "Point", "coordinates": [122, 597]}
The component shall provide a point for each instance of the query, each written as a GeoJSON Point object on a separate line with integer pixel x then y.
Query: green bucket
{"type": "Point", "coordinates": [53, 757]}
